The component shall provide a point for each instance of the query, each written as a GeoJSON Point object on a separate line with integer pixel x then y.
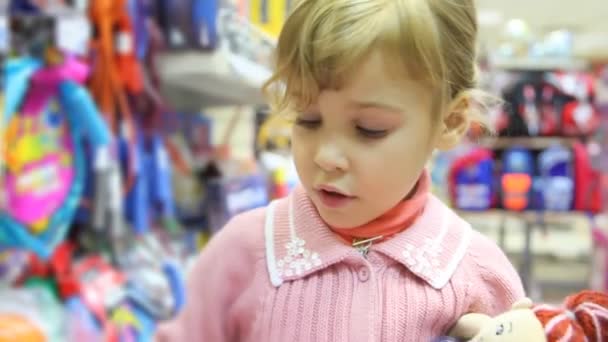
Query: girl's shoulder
{"type": "Point", "coordinates": [244, 231]}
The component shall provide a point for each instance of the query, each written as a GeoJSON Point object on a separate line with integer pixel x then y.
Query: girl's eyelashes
{"type": "Point", "coordinates": [314, 123]}
{"type": "Point", "coordinates": [308, 123]}
{"type": "Point", "coordinates": [372, 133]}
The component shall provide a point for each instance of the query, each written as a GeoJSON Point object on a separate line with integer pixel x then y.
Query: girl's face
{"type": "Point", "coordinates": [359, 150]}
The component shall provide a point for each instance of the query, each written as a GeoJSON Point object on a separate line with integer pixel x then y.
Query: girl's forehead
{"type": "Point", "coordinates": [375, 79]}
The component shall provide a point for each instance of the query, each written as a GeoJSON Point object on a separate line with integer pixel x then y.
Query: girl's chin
{"type": "Point", "coordinates": [343, 220]}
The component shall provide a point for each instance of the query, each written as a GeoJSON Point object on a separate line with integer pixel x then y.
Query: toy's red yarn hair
{"type": "Point", "coordinates": [583, 318]}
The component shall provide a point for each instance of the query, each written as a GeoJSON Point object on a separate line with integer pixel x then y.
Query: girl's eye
{"type": "Point", "coordinates": [372, 133]}
{"type": "Point", "coordinates": [308, 123]}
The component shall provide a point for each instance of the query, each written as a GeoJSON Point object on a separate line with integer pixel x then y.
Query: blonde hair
{"type": "Point", "coordinates": [323, 41]}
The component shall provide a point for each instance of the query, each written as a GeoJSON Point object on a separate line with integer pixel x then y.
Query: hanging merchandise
{"type": "Point", "coordinates": [108, 302]}
{"type": "Point", "coordinates": [81, 323]}
{"type": "Point", "coordinates": [153, 190]}
{"type": "Point", "coordinates": [149, 105]}
{"type": "Point", "coordinates": [529, 111]}
{"type": "Point", "coordinates": [580, 117]}
{"type": "Point", "coordinates": [47, 115]}
{"type": "Point", "coordinates": [37, 7]}
{"type": "Point", "coordinates": [116, 74]}
{"type": "Point", "coordinates": [31, 35]}
{"type": "Point", "coordinates": [534, 106]}
{"type": "Point", "coordinates": [189, 23]}
{"type": "Point", "coordinates": [99, 286]}
{"type": "Point", "coordinates": [204, 23]}
{"type": "Point", "coordinates": [139, 11]}
{"type": "Point", "coordinates": [173, 17]}
{"type": "Point", "coordinates": [471, 180]}
{"type": "Point", "coordinates": [190, 144]}
{"type": "Point", "coordinates": [24, 6]}
{"type": "Point", "coordinates": [557, 178]}
{"type": "Point", "coordinates": [90, 287]}
{"type": "Point", "coordinates": [513, 120]}
{"type": "Point", "coordinates": [588, 195]}
{"type": "Point", "coordinates": [599, 142]}
{"type": "Point", "coordinates": [154, 280]}
{"type": "Point", "coordinates": [516, 179]}
{"type": "Point", "coordinates": [550, 117]}
{"type": "Point", "coordinates": [13, 264]}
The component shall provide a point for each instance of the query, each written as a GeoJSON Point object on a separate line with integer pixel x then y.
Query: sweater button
{"type": "Point", "coordinates": [363, 274]}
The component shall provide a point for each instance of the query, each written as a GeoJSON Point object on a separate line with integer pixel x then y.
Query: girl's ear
{"type": "Point", "coordinates": [454, 125]}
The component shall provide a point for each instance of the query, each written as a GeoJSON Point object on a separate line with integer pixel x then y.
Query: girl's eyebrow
{"type": "Point", "coordinates": [376, 104]}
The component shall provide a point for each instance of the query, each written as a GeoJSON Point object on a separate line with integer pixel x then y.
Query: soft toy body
{"type": "Point", "coordinates": [583, 317]}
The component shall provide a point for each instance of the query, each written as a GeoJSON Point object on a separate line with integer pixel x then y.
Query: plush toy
{"type": "Point", "coordinates": [583, 317]}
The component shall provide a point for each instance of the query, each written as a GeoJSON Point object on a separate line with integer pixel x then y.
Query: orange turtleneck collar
{"type": "Point", "coordinates": [394, 221]}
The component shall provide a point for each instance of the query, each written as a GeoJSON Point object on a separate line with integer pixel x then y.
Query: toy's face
{"type": "Point", "coordinates": [513, 326]}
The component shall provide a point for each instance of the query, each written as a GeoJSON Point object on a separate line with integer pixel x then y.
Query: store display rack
{"type": "Point", "coordinates": [533, 235]}
{"type": "Point", "coordinates": [195, 79]}
{"type": "Point", "coordinates": [532, 143]}
{"type": "Point", "coordinates": [539, 64]}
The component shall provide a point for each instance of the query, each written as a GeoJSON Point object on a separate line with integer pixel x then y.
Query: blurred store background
{"type": "Point", "coordinates": [156, 133]}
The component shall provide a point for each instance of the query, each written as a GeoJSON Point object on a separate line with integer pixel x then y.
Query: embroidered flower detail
{"type": "Point", "coordinates": [423, 260]}
{"type": "Point", "coordinates": [298, 259]}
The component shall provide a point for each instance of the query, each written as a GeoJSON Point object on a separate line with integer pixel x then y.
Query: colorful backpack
{"type": "Point", "coordinates": [579, 117]}
{"type": "Point", "coordinates": [517, 178]}
{"type": "Point", "coordinates": [47, 113]}
{"type": "Point", "coordinates": [557, 178]}
{"type": "Point", "coordinates": [471, 180]}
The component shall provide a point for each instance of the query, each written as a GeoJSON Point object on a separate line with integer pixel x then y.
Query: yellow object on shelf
{"type": "Point", "coordinates": [276, 131]}
{"type": "Point", "coordinates": [279, 176]}
{"type": "Point", "coordinates": [269, 15]}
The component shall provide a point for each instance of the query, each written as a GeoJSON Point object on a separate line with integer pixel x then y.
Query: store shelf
{"type": "Point", "coordinates": [533, 143]}
{"type": "Point", "coordinates": [556, 235]}
{"type": "Point", "coordinates": [194, 79]}
{"type": "Point", "coordinates": [531, 215]}
{"type": "Point", "coordinates": [539, 64]}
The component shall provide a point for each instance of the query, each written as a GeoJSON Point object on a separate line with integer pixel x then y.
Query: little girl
{"type": "Point", "coordinates": [361, 251]}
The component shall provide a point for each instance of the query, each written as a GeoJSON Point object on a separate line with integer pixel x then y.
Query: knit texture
{"type": "Point", "coordinates": [280, 274]}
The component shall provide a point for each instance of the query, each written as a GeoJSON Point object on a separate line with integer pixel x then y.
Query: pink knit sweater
{"type": "Point", "coordinates": [280, 274]}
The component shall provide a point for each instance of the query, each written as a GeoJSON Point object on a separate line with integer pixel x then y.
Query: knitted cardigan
{"type": "Point", "coordinates": [280, 274]}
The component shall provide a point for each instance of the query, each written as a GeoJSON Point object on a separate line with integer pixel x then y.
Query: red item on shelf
{"type": "Point", "coordinates": [588, 192]}
{"type": "Point", "coordinates": [549, 116]}
{"type": "Point", "coordinates": [98, 281]}
{"type": "Point", "coordinates": [579, 118]}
